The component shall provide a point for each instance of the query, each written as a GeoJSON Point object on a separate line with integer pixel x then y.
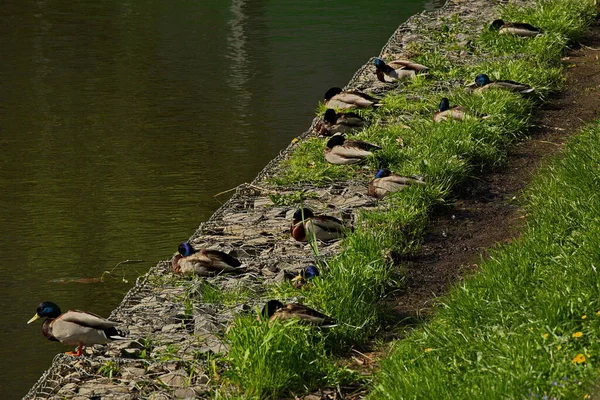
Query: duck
{"type": "Point", "coordinates": [204, 262]}
{"type": "Point", "coordinates": [483, 82]}
{"type": "Point", "coordinates": [515, 28]}
{"type": "Point", "coordinates": [397, 70]}
{"type": "Point", "coordinates": [342, 151]}
{"type": "Point", "coordinates": [340, 99]}
{"type": "Point", "coordinates": [276, 310]}
{"type": "Point", "coordinates": [385, 182]}
{"type": "Point", "coordinates": [306, 274]}
{"type": "Point", "coordinates": [305, 225]}
{"type": "Point", "coordinates": [445, 112]}
{"type": "Point", "coordinates": [75, 327]}
{"type": "Point", "coordinates": [333, 122]}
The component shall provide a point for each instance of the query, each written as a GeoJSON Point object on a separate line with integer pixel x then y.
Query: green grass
{"type": "Point", "coordinates": [273, 361]}
{"type": "Point", "coordinates": [269, 360]}
{"type": "Point", "coordinates": [519, 327]}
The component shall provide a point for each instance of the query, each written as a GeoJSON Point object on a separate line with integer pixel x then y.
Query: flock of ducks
{"type": "Point", "coordinates": [81, 328]}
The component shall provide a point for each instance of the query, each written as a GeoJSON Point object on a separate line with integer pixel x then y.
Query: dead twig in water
{"type": "Point", "coordinates": [247, 185]}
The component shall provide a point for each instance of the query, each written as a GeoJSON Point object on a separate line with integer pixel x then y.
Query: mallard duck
{"type": "Point", "coordinates": [307, 273]}
{"type": "Point", "coordinates": [483, 82]}
{"type": "Point", "coordinates": [397, 70]}
{"type": "Point", "coordinates": [445, 112]}
{"type": "Point", "coordinates": [306, 225]}
{"type": "Point", "coordinates": [276, 310]}
{"type": "Point", "coordinates": [204, 262]}
{"type": "Point", "coordinates": [339, 123]}
{"type": "Point", "coordinates": [515, 28]}
{"type": "Point", "coordinates": [75, 328]}
{"type": "Point", "coordinates": [337, 98]}
{"type": "Point", "coordinates": [385, 182]}
{"type": "Point", "coordinates": [342, 151]}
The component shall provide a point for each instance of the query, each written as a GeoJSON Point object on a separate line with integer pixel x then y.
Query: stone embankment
{"type": "Point", "coordinates": [174, 330]}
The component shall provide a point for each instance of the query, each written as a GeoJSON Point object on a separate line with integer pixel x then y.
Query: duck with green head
{"type": "Point", "coordinates": [483, 82]}
{"type": "Point", "coordinates": [397, 70]}
{"type": "Point", "coordinates": [337, 98]}
{"type": "Point", "coordinates": [445, 112]}
{"type": "Point", "coordinates": [276, 310]}
{"type": "Point", "coordinates": [204, 262]}
{"type": "Point", "coordinates": [333, 123]}
{"type": "Point", "coordinates": [75, 327]}
{"type": "Point", "coordinates": [515, 28]}
{"type": "Point", "coordinates": [342, 151]}
{"type": "Point", "coordinates": [385, 183]}
{"type": "Point", "coordinates": [306, 225]}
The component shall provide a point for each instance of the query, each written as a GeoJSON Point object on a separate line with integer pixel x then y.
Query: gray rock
{"type": "Point", "coordinates": [204, 326]}
{"type": "Point", "coordinates": [175, 379]}
{"type": "Point", "coordinates": [132, 372]}
{"type": "Point", "coordinates": [184, 393]}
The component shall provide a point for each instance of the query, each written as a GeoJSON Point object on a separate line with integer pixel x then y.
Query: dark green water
{"type": "Point", "coordinates": [120, 121]}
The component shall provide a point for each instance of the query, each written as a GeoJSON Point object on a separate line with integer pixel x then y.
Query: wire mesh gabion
{"type": "Point", "coordinates": [171, 310]}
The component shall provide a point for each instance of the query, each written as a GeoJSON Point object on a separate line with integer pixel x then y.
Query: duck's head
{"type": "Point", "coordinates": [332, 92]}
{"type": "Point", "coordinates": [46, 309]}
{"type": "Point", "coordinates": [382, 173]}
{"type": "Point", "coordinates": [310, 272]}
{"type": "Point", "coordinates": [303, 213]}
{"type": "Point", "coordinates": [379, 63]}
{"type": "Point", "coordinates": [186, 249]}
{"type": "Point", "coordinates": [444, 105]}
{"type": "Point", "coordinates": [330, 116]}
{"type": "Point", "coordinates": [482, 80]}
{"type": "Point", "coordinates": [497, 24]}
{"type": "Point", "coordinates": [269, 309]}
{"type": "Point", "coordinates": [336, 140]}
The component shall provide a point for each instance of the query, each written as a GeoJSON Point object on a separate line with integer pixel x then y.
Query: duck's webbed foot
{"type": "Point", "coordinates": [76, 353]}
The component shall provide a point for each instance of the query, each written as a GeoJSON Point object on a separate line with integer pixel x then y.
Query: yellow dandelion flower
{"type": "Point", "coordinates": [578, 359]}
{"type": "Point", "coordinates": [578, 334]}
{"type": "Point", "coordinates": [587, 396]}
{"type": "Point", "coordinates": [558, 347]}
{"type": "Point", "coordinates": [583, 316]}
{"type": "Point", "coordinates": [427, 350]}
{"type": "Point", "coordinates": [598, 312]}
{"type": "Point", "coordinates": [295, 140]}
{"type": "Point", "coordinates": [545, 335]}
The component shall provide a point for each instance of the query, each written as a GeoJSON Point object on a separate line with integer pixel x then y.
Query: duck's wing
{"type": "Point", "coordinates": [361, 94]}
{"type": "Point", "coordinates": [222, 258]}
{"type": "Point", "coordinates": [324, 228]}
{"type": "Point", "coordinates": [456, 112]}
{"type": "Point", "coordinates": [406, 64]}
{"type": "Point", "coordinates": [381, 187]}
{"type": "Point", "coordinates": [356, 99]}
{"type": "Point", "coordinates": [359, 144]}
{"type": "Point", "coordinates": [351, 120]}
{"type": "Point", "coordinates": [196, 263]}
{"type": "Point", "coordinates": [327, 223]}
{"type": "Point", "coordinates": [341, 157]}
{"type": "Point", "coordinates": [512, 85]}
{"type": "Point", "coordinates": [523, 25]}
{"type": "Point", "coordinates": [85, 319]}
{"type": "Point", "coordinates": [75, 334]}
{"type": "Point", "coordinates": [307, 314]}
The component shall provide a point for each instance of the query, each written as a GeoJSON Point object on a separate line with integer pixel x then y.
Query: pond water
{"type": "Point", "coordinates": [120, 122]}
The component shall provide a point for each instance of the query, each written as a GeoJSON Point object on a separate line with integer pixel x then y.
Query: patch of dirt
{"type": "Point", "coordinates": [485, 213]}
